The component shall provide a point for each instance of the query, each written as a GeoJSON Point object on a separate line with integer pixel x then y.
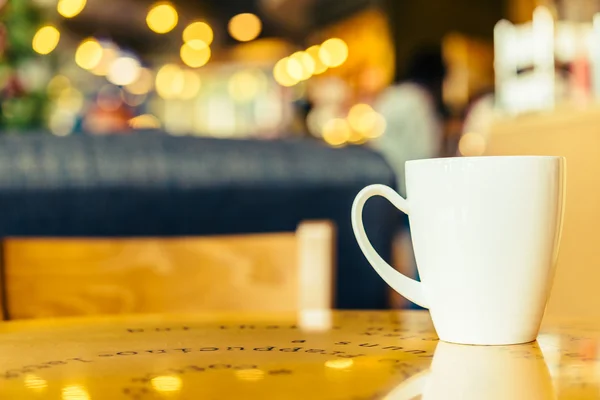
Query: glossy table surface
{"type": "Point", "coordinates": [339, 355]}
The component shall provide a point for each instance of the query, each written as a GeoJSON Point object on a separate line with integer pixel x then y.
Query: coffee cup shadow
{"type": "Point", "coordinates": [477, 372]}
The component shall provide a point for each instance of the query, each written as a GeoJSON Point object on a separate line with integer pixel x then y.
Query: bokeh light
{"type": "Point", "coordinates": [198, 31]}
{"type": "Point", "coordinates": [366, 122]}
{"type": "Point", "coordinates": [245, 27]}
{"type": "Point", "coordinates": [70, 99]}
{"type": "Point", "coordinates": [306, 63]}
{"type": "Point", "coordinates": [109, 98]}
{"type": "Point", "coordinates": [109, 55]}
{"type": "Point", "coordinates": [144, 121]}
{"type": "Point", "coordinates": [169, 81]}
{"type": "Point", "coordinates": [45, 39]}
{"type": "Point", "coordinates": [70, 8]}
{"type": "Point", "coordinates": [336, 132]}
{"type": "Point", "coordinates": [123, 71]}
{"type": "Point", "coordinates": [191, 85]}
{"type": "Point", "coordinates": [333, 52]}
{"type": "Point", "coordinates": [57, 85]}
{"type": "Point", "coordinates": [143, 84]}
{"type": "Point", "coordinates": [294, 69]}
{"type": "Point", "coordinates": [472, 144]}
{"type": "Point", "coordinates": [162, 18]}
{"type": "Point", "coordinates": [244, 86]}
{"type": "Point", "coordinates": [89, 54]}
{"type": "Point", "coordinates": [281, 75]}
{"type": "Point", "coordinates": [61, 123]}
{"type": "Point", "coordinates": [166, 383]}
{"type": "Point", "coordinates": [313, 52]}
{"type": "Point", "coordinates": [195, 53]}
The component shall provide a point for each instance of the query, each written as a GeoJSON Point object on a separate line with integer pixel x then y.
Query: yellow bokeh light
{"type": "Point", "coordinates": [313, 52]}
{"type": "Point", "coordinates": [143, 84]}
{"type": "Point", "coordinates": [198, 31]}
{"type": "Point", "coordinates": [245, 27]}
{"type": "Point", "coordinates": [191, 85]}
{"type": "Point", "coordinates": [336, 132]}
{"type": "Point", "coordinates": [333, 52]}
{"type": "Point", "coordinates": [70, 99]}
{"type": "Point", "coordinates": [195, 53]}
{"type": "Point", "coordinates": [123, 71]}
{"type": "Point", "coordinates": [294, 69]}
{"type": "Point", "coordinates": [166, 383]}
{"type": "Point", "coordinates": [170, 81]}
{"type": "Point", "coordinates": [75, 392]}
{"type": "Point", "coordinates": [244, 86]}
{"type": "Point", "coordinates": [35, 383]}
{"type": "Point", "coordinates": [162, 18]}
{"type": "Point", "coordinates": [89, 54]}
{"type": "Point", "coordinates": [250, 375]}
{"type": "Point", "coordinates": [339, 364]}
{"type": "Point", "coordinates": [45, 39]}
{"type": "Point", "coordinates": [57, 85]}
{"type": "Point", "coordinates": [472, 145]}
{"type": "Point", "coordinates": [144, 121]}
{"type": "Point", "coordinates": [306, 63]}
{"type": "Point", "coordinates": [366, 122]}
{"type": "Point", "coordinates": [109, 55]}
{"type": "Point", "coordinates": [281, 75]}
{"type": "Point", "coordinates": [70, 8]}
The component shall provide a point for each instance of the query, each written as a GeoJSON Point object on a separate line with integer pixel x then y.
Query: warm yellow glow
{"type": "Point", "coordinates": [471, 145]}
{"type": "Point", "coordinates": [281, 75]}
{"type": "Point", "coordinates": [162, 18]}
{"type": "Point", "coordinates": [123, 71]}
{"type": "Point", "coordinates": [144, 121]}
{"type": "Point", "coordinates": [198, 31]}
{"type": "Point", "coordinates": [195, 53]}
{"type": "Point", "coordinates": [306, 63]}
{"type": "Point", "coordinates": [170, 81]}
{"type": "Point", "coordinates": [166, 383]}
{"type": "Point", "coordinates": [366, 122]}
{"type": "Point", "coordinates": [250, 375]}
{"type": "Point", "coordinates": [143, 84]}
{"type": "Point", "coordinates": [294, 69]}
{"type": "Point", "coordinates": [45, 39]}
{"type": "Point", "coordinates": [70, 99]}
{"type": "Point", "coordinates": [339, 364]}
{"type": "Point", "coordinates": [336, 132]}
{"type": "Point", "coordinates": [61, 122]}
{"type": "Point", "coordinates": [57, 85]}
{"type": "Point", "coordinates": [109, 55]}
{"type": "Point", "coordinates": [244, 86]}
{"type": "Point", "coordinates": [313, 52]}
{"type": "Point", "coordinates": [245, 27]}
{"type": "Point", "coordinates": [70, 8]}
{"type": "Point", "coordinates": [191, 85]}
{"type": "Point", "coordinates": [75, 392]}
{"type": "Point", "coordinates": [89, 54]}
{"type": "Point", "coordinates": [333, 52]}
{"type": "Point", "coordinates": [35, 383]}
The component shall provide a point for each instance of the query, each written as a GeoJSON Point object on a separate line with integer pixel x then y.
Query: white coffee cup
{"type": "Point", "coordinates": [485, 232]}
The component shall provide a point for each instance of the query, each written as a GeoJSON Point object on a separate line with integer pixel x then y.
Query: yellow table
{"type": "Point", "coordinates": [333, 356]}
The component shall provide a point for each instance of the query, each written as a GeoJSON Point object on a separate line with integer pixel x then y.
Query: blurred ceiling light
{"type": "Point", "coordinates": [162, 18]}
{"type": "Point", "coordinates": [306, 62]}
{"type": "Point", "coordinates": [109, 55]}
{"type": "Point", "coordinates": [144, 121]}
{"type": "Point", "coordinates": [281, 75]}
{"type": "Point", "coordinates": [243, 86]}
{"type": "Point", "coordinates": [45, 39]}
{"type": "Point", "coordinates": [89, 54]}
{"type": "Point", "coordinates": [169, 81]}
{"type": "Point", "coordinates": [75, 392]}
{"type": "Point", "coordinates": [123, 71]}
{"type": "Point", "coordinates": [471, 145]}
{"type": "Point", "coordinates": [57, 85]}
{"type": "Point", "coordinates": [70, 8]}
{"type": "Point", "coordinates": [166, 383]}
{"type": "Point", "coordinates": [143, 84]}
{"type": "Point", "coordinates": [245, 27]}
{"type": "Point", "coordinates": [313, 52]}
{"type": "Point", "coordinates": [333, 52]}
{"type": "Point", "coordinates": [198, 31]}
{"type": "Point", "coordinates": [336, 132]}
{"type": "Point", "coordinates": [191, 85]}
{"type": "Point", "coordinates": [195, 53]}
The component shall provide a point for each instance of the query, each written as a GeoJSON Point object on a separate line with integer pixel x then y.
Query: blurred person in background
{"type": "Point", "coordinates": [414, 111]}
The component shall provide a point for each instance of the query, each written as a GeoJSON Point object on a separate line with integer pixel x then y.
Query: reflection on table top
{"type": "Point", "coordinates": [340, 355]}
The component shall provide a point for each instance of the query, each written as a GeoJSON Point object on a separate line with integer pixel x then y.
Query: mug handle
{"type": "Point", "coordinates": [402, 284]}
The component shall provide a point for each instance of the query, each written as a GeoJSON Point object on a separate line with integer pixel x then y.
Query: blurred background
{"type": "Point", "coordinates": [351, 89]}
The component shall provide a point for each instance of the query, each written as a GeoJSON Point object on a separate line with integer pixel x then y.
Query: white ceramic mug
{"type": "Point", "coordinates": [485, 232]}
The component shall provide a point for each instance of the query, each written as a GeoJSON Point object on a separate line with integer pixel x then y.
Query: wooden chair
{"type": "Point", "coordinates": [48, 277]}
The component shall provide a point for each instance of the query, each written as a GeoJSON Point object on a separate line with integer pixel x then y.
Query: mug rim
{"type": "Point", "coordinates": [483, 158]}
